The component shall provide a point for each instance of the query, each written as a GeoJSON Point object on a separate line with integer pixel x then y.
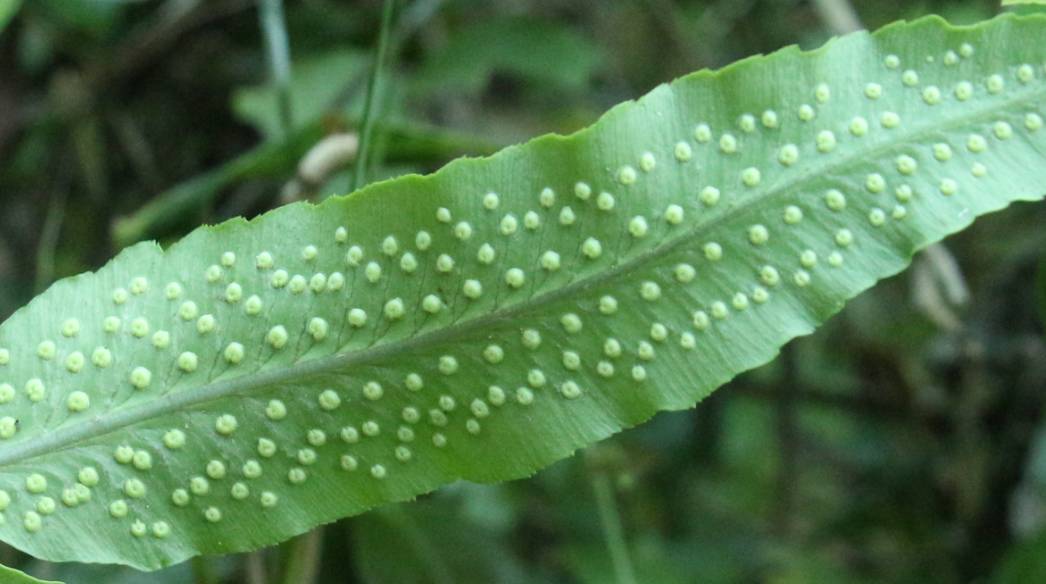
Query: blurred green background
{"type": "Point", "coordinates": [904, 442]}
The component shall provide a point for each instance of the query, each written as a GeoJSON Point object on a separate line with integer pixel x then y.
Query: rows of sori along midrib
{"type": "Point", "coordinates": [637, 227]}
{"type": "Point", "coordinates": [728, 144]}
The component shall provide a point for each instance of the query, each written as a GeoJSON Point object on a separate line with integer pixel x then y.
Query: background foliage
{"type": "Point", "coordinates": [902, 442]}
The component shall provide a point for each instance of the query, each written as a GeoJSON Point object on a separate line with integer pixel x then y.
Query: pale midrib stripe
{"type": "Point", "coordinates": [109, 422]}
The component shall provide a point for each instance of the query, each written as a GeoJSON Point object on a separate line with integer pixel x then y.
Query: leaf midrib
{"type": "Point", "coordinates": [112, 421]}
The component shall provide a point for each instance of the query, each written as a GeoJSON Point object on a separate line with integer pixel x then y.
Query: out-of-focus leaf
{"type": "Point", "coordinates": [12, 576]}
{"type": "Point", "coordinates": [1020, 2]}
{"type": "Point", "coordinates": [589, 564]}
{"type": "Point", "coordinates": [801, 566]}
{"type": "Point", "coordinates": [1028, 501]}
{"type": "Point", "coordinates": [187, 198]}
{"type": "Point", "coordinates": [316, 83]}
{"type": "Point", "coordinates": [94, 17]}
{"type": "Point", "coordinates": [8, 9]}
{"type": "Point", "coordinates": [1023, 564]}
{"type": "Point", "coordinates": [36, 45]}
{"type": "Point", "coordinates": [407, 142]}
{"type": "Point", "coordinates": [75, 573]}
{"type": "Point", "coordinates": [540, 52]}
{"type": "Point", "coordinates": [430, 545]}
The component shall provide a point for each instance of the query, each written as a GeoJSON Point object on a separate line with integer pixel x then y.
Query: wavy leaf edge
{"type": "Point", "coordinates": [148, 252]}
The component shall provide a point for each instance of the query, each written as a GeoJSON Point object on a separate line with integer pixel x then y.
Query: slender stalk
{"type": "Point", "coordinates": [49, 242]}
{"type": "Point", "coordinates": [612, 530]}
{"type": "Point", "coordinates": [838, 15]}
{"type": "Point", "coordinates": [256, 570]}
{"type": "Point", "coordinates": [274, 27]}
{"type": "Point", "coordinates": [373, 83]}
{"type": "Point", "coordinates": [303, 561]}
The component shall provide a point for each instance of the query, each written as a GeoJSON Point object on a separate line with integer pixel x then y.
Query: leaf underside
{"type": "Point", "coordinates": [260, 378]}
{"type": "Point", "coordinates": [12, 576]}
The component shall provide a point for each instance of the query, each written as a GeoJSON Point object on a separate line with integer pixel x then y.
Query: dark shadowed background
{"type": "Point", "coordinates": [904, 442]}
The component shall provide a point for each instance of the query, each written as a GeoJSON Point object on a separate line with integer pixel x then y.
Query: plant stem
{"type": "Point", "coordinates": [612, 530]}
{"type": "Point", "coordinates": [49, 242]}
{"type": "Point", "coordinates": [358, 175]}
{"type": "Point", "coordinates": [274, 28]}
{"type": "Point", "coordinates": [256, 571]}
{"type": "Point", "coordinates": [838, 15]}
{"type": "Point", "coordinates": [303, 563]}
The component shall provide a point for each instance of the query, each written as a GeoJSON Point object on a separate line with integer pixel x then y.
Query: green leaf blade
{"type": "Point", "coordinates": [637, 316]}
{"type": "Point", "coordinates": [8, 10]}
{"type": "Point", "coordinates": [12, 576]}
